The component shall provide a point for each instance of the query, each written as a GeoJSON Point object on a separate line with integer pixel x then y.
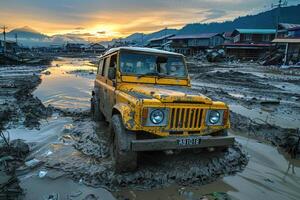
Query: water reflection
{"type": "Point", "coordinates": [68, 85]}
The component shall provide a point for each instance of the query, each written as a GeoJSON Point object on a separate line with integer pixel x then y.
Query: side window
{"type": "Point", "coordinates": [113, 61]}
{"type": "Point", "coordinates": [106, 66]}
{"type": "Point", "coordinates": [100, 67]}
{"type": "Point", "coordinates": [112, 67]}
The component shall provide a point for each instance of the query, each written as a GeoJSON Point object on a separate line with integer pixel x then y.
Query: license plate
{"type": "Point", "coordinates": [188, 141]}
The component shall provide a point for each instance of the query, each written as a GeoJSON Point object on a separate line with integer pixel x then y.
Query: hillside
{"type": "Point", "coordinates": [26, 32]}
{"type": "Point", "coordinates": [266, 19]}
{"type": "Point", "coordinates": [139, 37]}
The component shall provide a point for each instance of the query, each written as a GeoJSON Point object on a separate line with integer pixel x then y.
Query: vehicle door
{"type": "Point", "coordinates": [100, 83]}
{"type": "Point", "coordinates": [109, 87]}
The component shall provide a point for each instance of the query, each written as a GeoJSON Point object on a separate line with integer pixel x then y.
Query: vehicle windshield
{"type": "Point", "coordinates": [141, 64]}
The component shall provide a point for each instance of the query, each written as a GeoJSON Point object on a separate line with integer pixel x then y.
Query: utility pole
{"type": "Point", "coordinates": [281, 3]}
{"type": "Point", "coordinates": [4, 37]}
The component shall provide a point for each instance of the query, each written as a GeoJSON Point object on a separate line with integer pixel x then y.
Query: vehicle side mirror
{"type": "Point", "coordinates": [111, 73]}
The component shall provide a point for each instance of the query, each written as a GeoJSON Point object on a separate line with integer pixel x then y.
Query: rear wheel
{"type": "Point", "coordinates": [124, 158]}
{"type": "Point", "coordinates": [97, 115]}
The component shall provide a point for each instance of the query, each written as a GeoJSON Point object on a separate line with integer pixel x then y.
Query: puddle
{"type": "Point", "coordinates": [268, 175]}
{"type": "Point", "coordinates": [69, 84]}
{"type": "Point", "coordinates": [63, 188]}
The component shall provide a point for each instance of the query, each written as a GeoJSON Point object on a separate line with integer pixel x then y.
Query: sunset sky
{"type": "Point", "coordinates": [106, 19]}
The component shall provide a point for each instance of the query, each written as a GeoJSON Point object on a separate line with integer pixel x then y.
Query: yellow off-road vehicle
{"type": "Point", "coordinates": [145, 94]}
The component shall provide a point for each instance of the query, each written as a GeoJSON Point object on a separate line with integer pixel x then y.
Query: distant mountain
{"type": "Point", "coordinates": [30, 37]}
{"type": "Point", "coordinates": [264, 20]}
{"type": "Point", "coordinates": [160, 33]}
{"type": "Point", "coordinates": [26, 33]}
{"type": "Point", "coordinates": [142, 38]}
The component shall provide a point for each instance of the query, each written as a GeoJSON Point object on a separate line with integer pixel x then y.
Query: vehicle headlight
{"type": "Point", "coordinates": [157, 116]}
{"type": "Point", "coordinates": [214, 117]}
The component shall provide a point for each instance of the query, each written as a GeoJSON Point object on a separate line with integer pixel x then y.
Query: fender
{"type": "Point", "coordinates": [127, 113]}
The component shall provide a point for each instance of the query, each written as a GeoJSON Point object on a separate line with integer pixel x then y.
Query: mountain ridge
{"type": "Point", "coordinates": [28, 36]}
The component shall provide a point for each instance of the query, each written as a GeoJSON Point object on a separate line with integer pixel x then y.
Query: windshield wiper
{"type": "Point", "coordinates": [148, 74]}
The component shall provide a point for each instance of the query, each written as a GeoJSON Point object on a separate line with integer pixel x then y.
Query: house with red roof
{"type": "Point", "coordinates": [250, 44]}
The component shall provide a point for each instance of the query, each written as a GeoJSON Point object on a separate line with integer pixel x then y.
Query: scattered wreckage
{"type": "Point", "coordinates": [146, 97]}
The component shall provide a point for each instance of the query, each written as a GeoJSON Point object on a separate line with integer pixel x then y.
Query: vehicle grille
{"type": "Point", "coordinates": [185, 118]}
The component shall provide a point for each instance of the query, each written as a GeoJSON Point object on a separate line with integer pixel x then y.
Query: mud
{"type": "Point", "coordinates": [287, 138]}
{"type": "Point", "coordinates": [264, 101]}
{"type": "Point", "coordinates": [12, 155]}
{"type": "Point", "coordinates": [17, 104]}
{"type": "Point", "coordinates": [156, 169]}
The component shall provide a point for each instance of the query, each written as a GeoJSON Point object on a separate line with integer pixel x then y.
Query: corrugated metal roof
{"type": "Point", "coordinates": [286, 40]}
{"type": "Point", "coordinates": [294, 28]}
{"type": "Point", "coordinates": [288, 26]}
{"type": "Point", "coordinates": [227, 34]}
{"type": "Point", "coordinates": [256, 31]}
{"type": "Point", "coordinates": [161, 38]}
{"type": "Point", "coordinates": [194, 36]}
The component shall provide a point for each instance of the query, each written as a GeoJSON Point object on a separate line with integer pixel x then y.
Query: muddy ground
{"type": "Point", "coordinates": [17, 104]}
{"type": "Point", "coordinates": [68, 150]}
{"type": "Point", "coordinates": [264, 100]}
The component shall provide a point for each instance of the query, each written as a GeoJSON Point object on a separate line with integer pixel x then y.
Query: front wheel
{"type": "Point", "coordinates": [124, 158]}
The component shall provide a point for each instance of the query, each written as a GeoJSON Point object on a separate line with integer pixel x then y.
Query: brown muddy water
{"type": "Point", "coordinates": [270, 174]}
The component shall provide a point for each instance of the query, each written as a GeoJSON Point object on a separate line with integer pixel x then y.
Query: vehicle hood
{"type": "Point", "coordinates": [166, 93]}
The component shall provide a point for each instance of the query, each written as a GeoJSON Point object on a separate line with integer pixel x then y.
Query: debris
{"type": "Point", "coordinates": [33, 163]}
{"type": "Point", "coordinates": [52, 197]}
{"type": "Point", "coordinates": [47, 73]}
{"type": "Point", "coordinates": [48, 153]}
{"type": "Point", "coordinates": [42, 174]}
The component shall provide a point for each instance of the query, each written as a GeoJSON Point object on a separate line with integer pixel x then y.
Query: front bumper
{"type": "Point", "coordinates": [169, 143]}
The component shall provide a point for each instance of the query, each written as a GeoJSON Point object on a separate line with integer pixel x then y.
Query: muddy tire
{"type": "Point", "coordinates": [96, 113]}
{"type": "Point", "coordinates": [124, 159]}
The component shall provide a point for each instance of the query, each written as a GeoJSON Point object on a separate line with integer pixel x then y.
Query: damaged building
{"type": "Point", "coordinates": [194, 44]}
{"type": "Point", "coordinates": [8, 46]}
{"type": "Point", "coordinates": [250, 44]}
{"type": "Point", "coordinates": [161, 42]}
{"type": "Point", "coordinates": [288, 41]}
{"type": "Point", "coordinates": [95, 48]}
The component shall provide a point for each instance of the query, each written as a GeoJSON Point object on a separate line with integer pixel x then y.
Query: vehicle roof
{"type": "Point", "coordinates": [141, 49]}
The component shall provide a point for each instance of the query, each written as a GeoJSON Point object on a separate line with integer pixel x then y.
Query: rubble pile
{"type": "Point", "coordinates": [215, 55]}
